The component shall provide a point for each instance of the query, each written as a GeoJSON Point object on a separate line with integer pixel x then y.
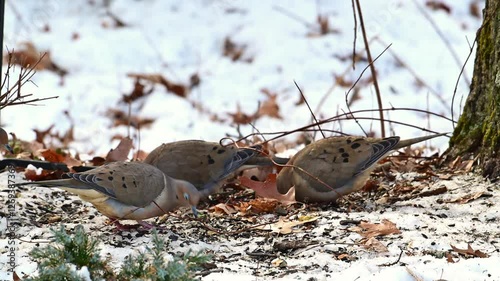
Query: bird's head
{"type": "Point", "coordinates": [188, 195]}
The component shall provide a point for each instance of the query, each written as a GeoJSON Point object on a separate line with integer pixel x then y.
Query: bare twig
{"type": "Point", "coordinates": [355, 35]}
{"type": "Point", "coordinates": [471, 49]}
{"type": "Point", "coordinates": [12, 95]}
{"type": "Point", "coordinates": [310, 110]}
{"type": "Point", "coordinates": [359, 78]}
{"type": "Point", "coordinates": [372, 68]}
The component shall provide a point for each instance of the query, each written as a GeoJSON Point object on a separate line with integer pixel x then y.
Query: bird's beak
{"type": "Point", "coordinates": [9, 148]}
{"type": "Point", "coordinates": [195, 211]}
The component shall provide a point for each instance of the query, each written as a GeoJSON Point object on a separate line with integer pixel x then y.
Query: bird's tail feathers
{"type": "Point", "coordinates": [408, 142]}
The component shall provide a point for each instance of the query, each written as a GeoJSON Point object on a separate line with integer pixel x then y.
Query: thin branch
{"type": "Point", "coordinates": [355, 36]}
{"type": "Point", "coordinates": [458, 79]}
{"type": "Point", "coordinates": [356, 82]}
{"type": "Point", "coordinates": [310, 110]}
{"type": "Point", "coordinates": [372, 68]}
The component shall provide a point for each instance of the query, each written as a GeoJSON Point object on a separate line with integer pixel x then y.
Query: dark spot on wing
{"type": "Point", "coordinates": [345, 154]}
{"type": "Point", "coordinates": [210, 160]}
{"type": "Point", "coordinates": [110, 178]}
{"type": "Point", "coordinates": [341, 150]}
{"type": "Point", "coordinates": [346, 160]}
{"type": "Point", "coordinates": [355, 145]}
{"type": "Point", "coordinates": [124, 185]}
{"type": "Point", "coordinates": [214, 148]}
{"type": "Point", "coordinates": [177, 197]}
{"type": "Point", "coordinates": [220, 151]}
{"type": "Point", "coordinates": [349, 141]}
{"type": "Point", "coordinates": [123, 178]}
{"type": "Point", "coordinates": [334, 159]}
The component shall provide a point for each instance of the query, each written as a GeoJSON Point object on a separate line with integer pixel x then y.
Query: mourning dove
{"type": "Point", "coordinates": [129, 190]}
{"type": "Point", "coordinates": [205, 164]}
{"type": "Point", "coordinates": [4, 140]}
{"type": "Point", "coordinates": [342, 165]}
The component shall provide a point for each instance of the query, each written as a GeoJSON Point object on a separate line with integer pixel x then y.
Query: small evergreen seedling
{"type": "Point", "coordinates": [55, 260]}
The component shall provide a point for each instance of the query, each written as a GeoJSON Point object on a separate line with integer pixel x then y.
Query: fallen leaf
{"type": "Point", "coordinates": [438, 5]}
{"type": "Point", "coordinates": [241, 118]}
{"type": "Point", "coordinates": [41, 134]}
{"type": "Point", "coordinates": [374, 245]}
{"type": "Point", "coordinates": [466, 198]}
{"type": "Point", "coordinates": [369, 230]}
{"type": "Point", "coordinates": [268, 189]}
{"type": "Point", "coordinates": [52, 156]}
{"type": "Point", "coordinates": [120, 118]}
{"type": "Point", "coordinates": [469, 252]}
{"type": "Point", "coordinates": [222, 208]}
{"type": "Point", "coordinates": [175, 88]}
{"type": "Point", "coordinates": [449, 258]}
{"type": "Point", "coordinates": [138, 92]}
{"type": "Point", "coordinates": [235, 51]}
{"type": "Point", "coordinates": [270, 106]}
{"type": "Point", "coordinates": [29, 57]}
{"type": "Point", "coordinates": [40, 175]}
{"type": "Point", "coordinates": [257, 206]}
{"type": "Point", "coordinates": [97, 161]}
{"type": "Point", "coordinates": [120, 153]}
{"type": "Point", "coordinates": [285, 227]}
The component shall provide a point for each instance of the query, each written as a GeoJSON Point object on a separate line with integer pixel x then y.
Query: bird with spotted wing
{"type": "Point", "coordinates": [206, 164]}
{"type": "Point", "coordinates": [332, 167]}
{"type": "Point", "coordinates": [129, 190]}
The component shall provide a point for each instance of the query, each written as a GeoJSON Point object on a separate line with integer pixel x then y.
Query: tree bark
{"type": "Point", "coordinates": [478, 129]}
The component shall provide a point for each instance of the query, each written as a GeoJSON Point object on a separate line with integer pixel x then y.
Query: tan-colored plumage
{"type": "Point", "coordinates": [342, 163]}
{"type": "Point", "coordinates": [205, 164]}
{"type": "Point", "coordinates": [128, 190]}
{"type": "Point", "coordinates": [4, 140]}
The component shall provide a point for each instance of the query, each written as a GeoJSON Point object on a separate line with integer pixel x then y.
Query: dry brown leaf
{"type": "Point", "coordinates": [97, 161]}
{"type": "Point", "coordinates": [120, 153]}
{"type": "Point", "coordinates": [268, 189]}
{"type": "Point", "coordinates": [374, 245]}
{"type": "Point", "coordinates": [449, 258]}
{"type": "Point", "coordinates": [138, 92]}
{"type": "Point", "coordinates": [257, 206]}
{"type": "Point", "coordinates": [140, 155]}
{"type": "Point", "coordinates": [175, 88]}
{"type": "Point", "coordinates": [270, 106]}
{"type": "Point", "coordinates": [469, 252]}
{"type": "Point", "coordinates": [241, 118]}
{"type": "Point", "coordinates": [285, 227]}
{"type": "Point", "coordinates": [438, 5]}
{"type": "Point", "coordinates": [41, 134]}
{"type": "Point", "coordinates": [32, 175]}
{"type": "Point", "coordinates": [120, 118]}
{"type": "Point", "coordinates": [52, 156]}
{"type": "Point", "coordinates": [28, 56]}
{"type": "Point", "coordinates": [475, 10]}
{"type": "Point", "coordinates": [466, 198]}
{"type": "Point", "coordinates": [222, 208]}
{"type": "Point", "coordinates": [369, 230]}
{"type": "Point", "coordinates": [235, 51]}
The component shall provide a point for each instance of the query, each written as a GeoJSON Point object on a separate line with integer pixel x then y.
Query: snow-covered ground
{"type": "Point", "coordinates": [181, 38]}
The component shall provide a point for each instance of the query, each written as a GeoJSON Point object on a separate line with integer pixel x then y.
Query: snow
{"type": "Point", "coordinates": [179, 38]}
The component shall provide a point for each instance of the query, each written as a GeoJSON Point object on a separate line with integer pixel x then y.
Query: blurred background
{"type": "Point", "coordinates": [206, 69]}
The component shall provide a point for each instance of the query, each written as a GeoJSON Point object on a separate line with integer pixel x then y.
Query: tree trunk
{"type": "Point", "coordinates": [478, 129]}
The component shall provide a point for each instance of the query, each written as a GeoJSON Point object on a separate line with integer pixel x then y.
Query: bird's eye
{"type": "Point", "coordinates": [186, 196]}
